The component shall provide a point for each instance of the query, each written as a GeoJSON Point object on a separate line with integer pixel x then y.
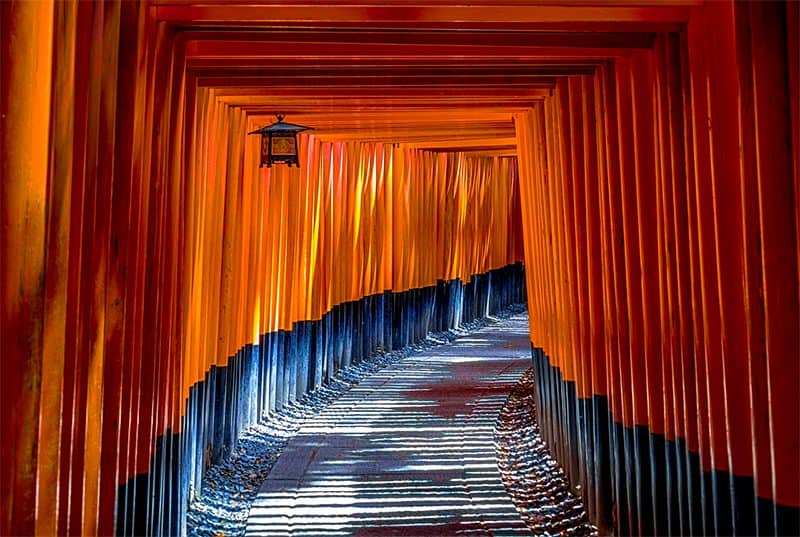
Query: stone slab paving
{"type": "Point", "coordinates": [409, 451]}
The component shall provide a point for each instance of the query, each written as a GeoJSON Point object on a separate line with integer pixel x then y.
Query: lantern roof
{"type": "Point", "coordinates": [281, 126]}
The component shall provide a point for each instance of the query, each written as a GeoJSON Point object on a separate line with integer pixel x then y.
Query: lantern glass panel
{"type": "Point", "coordinates": [283, 146]}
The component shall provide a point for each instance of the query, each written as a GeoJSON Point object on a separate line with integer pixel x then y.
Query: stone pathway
{"type": "Point", "coordinates": [409, 451]}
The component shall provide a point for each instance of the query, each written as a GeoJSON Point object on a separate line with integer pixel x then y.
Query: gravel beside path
{"type": "Point", "coordinates": [534, 480]}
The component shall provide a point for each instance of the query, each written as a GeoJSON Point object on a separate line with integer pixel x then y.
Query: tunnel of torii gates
{"type": "Point", "coordinates": [161, 291]}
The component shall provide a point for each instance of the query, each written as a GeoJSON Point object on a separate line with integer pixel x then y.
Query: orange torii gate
{"type": "Point", "coordinates": [641, 158]}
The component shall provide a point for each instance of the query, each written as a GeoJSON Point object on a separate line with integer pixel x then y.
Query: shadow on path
{"type": "Point", "coordinates": [409, 451]}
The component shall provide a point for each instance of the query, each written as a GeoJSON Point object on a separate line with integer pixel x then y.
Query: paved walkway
{"type": "Point", "coordinates": [409, 451]}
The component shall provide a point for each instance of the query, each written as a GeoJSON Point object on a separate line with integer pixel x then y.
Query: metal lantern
{"type": "Point", "coordinates": [279, 142]}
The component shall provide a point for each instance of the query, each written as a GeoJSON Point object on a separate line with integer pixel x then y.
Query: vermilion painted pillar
{"type": "Point", "coordinates": [690, 190]}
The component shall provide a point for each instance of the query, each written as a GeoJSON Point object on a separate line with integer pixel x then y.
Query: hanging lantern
{"type": "Point", "coordinates": [279, 142]}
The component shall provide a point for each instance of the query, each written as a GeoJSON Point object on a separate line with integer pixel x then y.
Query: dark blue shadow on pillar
{"type": "Point", "coordinates": [636, 482]}
{"type": "Point", "coordinates": [285, 365]}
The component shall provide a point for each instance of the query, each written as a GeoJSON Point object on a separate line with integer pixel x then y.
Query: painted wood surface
{"type": "Point", "coordinates": [663, 218]}
{"type": "Point", "coordinates": [655, 188]}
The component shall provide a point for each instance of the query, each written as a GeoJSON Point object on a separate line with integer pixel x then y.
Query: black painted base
{"type": "Point", "coordinates": [635, 482]}
{"type": "Point", "coordinates": [262, 379]}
